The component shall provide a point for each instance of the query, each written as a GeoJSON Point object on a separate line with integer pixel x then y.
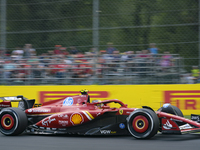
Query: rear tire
{"type": "Point", "coordinates": [13, 121]}
{"type": "Point", "coordinates": [143, 123]}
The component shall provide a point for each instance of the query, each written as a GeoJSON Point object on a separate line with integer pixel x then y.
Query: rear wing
{"type": "Point", "coordinates": [13, 98]}
{"type": "Point", "coordinates": [24, 103]}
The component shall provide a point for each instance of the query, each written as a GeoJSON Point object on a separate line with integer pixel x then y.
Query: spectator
{"type": "Point", "coordinates": [37, 69]}
{"type": "Point", "coordinates": [51, 71]}
{"type": "Point", "coordinates": [130, 55]}
{"type": "Point", "coordinates": [144, 54]}
{"type": "Point", "coordinates": [29, 51]}
{"type": "Point", "coordinates": [68, 61]}
{"type": "Point", "coordinates": [166, 60]}
{"type": "Point", "coordinates": [19, 51]}
{"type": "Point", "coordinates": [80, 57]}
{"type": "Point", "coordinates": [110, 49]}
{"type": "Point", "coordinates": [1, 68]}
{"type": "Point", "coordinates": [116, 56]}
{"type": "Point", "coordinates": [100, 67]}
{"type": "Point", "coordinates": [189, 79]}
{"type": "Point", "coordinates": [50, 53]}
{"type": "Point", "coordinates": [91, 59]}
{"type": "Point", "coordinates": [73, 50]}
{"type": "Point", "coordinates": [19, 73]}
{"type": "Point", "coordinates": [8, 53]}
{"type": "Point", "coordinates": [33, 59]}
{"type": "Point", "coordinates": [137, 56]}
{"type": "Point", "coordinates": [101, 52]}
{"type": "Point", "coordinates": [124, 56]}
{"type": "Point", "coordinates": [61, 68]}
{"type": "Point", "coordinates": [143, 60]}
{"type": "Point", "coordinates": [93, 50]}
{"type": "Point", "coordinates": [64, 51]}
{"type": "Point", "coordinates": [127, 56]}
{"type": "Point", "coordinates": [57, 50]}
{"type": "Point", "coordinates": [76, 71]}
{"type": "Point", "coordinates": [33, 52]}
{"type": "Point", "coordinates": [81, 71]}
{"type": "Point", "coordinates": [44, 58]}
{"type": "Point", "coordinates": [195, 73]}
{"type": "Point", "coordinates": [2, 52]}
{"type": "Point", "coordinates": [8, 67]}
{"type": "Point", "coordinates": [153, 49]}
{"type": "Point", "coordinates": [17, 54]}
{"type": "Point", "coordinates": [138, 53]}
{"type": "Point", "coordinates": [27, 67]}
{"type": "Point", "coordinates": [86, 70]}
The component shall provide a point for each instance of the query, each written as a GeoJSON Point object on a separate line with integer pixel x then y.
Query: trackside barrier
{"type": "Point", "coordinates": [184, 96]}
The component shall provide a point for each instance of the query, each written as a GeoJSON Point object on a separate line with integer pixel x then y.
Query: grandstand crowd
{"type": "Point", "coordinates": [71, 66]}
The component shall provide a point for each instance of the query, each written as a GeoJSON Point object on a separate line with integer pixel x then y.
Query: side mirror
{"type": "Point", "coordinates": [20, 96]}
{"type": "Point", "coordinates": [95, 101]}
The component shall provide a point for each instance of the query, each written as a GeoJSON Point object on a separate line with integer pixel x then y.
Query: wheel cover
{"type": "Point", "coordinates": [140, 124]}
{"type": "Point", "coordinates": [7, 121]}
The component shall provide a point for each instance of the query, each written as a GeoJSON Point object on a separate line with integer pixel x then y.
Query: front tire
{"type": "Point", "coordinates": [13, 121]}
{"type": "Point", "coordinates": [143, 123]}
{"type": "Point", "coordinates": [171, 109]}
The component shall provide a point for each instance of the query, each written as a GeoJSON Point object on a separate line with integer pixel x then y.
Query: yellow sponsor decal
{"type": "Point", "coordinates": [113, 132]}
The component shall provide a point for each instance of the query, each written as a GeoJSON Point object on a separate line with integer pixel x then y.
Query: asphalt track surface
{"type": "Point", "coordinates": [67, 142]}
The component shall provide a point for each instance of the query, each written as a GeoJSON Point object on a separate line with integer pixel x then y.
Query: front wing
{"type": "Point", "coordinates": [172, 124]}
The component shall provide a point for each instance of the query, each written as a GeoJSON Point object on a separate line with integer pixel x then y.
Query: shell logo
{"type": "Point", "coordinates": [76, 118]}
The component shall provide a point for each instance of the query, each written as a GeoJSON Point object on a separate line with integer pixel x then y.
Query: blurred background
{"type": "Point", "coordinates": [99, 42]}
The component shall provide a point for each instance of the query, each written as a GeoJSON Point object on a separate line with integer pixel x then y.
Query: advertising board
{"type": "Point", "coordinates": [184, 96]}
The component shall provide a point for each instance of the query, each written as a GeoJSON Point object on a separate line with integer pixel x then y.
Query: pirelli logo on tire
{"type": "Point", "coordinates": [184, 99]}
{"type": "Point", "coordinates": [45, 96]}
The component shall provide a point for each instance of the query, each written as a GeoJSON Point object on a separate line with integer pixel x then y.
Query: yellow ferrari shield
{"type": "Point", "coordinates": [120, 111]}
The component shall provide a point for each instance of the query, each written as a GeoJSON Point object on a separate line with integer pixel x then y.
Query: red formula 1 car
{"type": "Point", "coordinates": [76, 115]}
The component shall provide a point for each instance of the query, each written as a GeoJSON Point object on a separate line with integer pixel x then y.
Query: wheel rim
{"type": "Point", "coordinates": [140, 124]}
{"type": "Point", "coordinates": [7, 121]}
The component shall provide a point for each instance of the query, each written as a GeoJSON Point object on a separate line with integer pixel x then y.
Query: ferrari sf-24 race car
{"type": "Point", "coordinates": [77, 115]}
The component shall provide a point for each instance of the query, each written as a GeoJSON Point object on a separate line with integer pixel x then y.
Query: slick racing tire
{"type": "Point", "coordinates": [168, 108]}
{"type": "Point", "coordinates": [143, 123]}
{"type": "Point", "coordinates": [13, 121]}
{"type": "Point", "coordinates": [178, 111]}
{"type": "Point", "coordinates": [171, 110]}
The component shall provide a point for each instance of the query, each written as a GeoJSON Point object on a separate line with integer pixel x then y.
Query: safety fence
{"type": "Point", "coordinates": [90, 25]}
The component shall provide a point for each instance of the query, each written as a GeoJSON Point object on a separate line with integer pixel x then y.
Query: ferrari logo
{"type": "Point", "coordinates": [120, 111]}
